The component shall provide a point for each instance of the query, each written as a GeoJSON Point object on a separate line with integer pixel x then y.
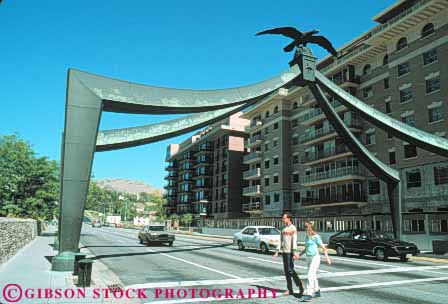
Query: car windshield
{"type": "Point", "coordinates": [382, 235]}
{"type": "Point", "coordinates": [268, 231]}
{"type": "Point", "coordinates": [156, 228]}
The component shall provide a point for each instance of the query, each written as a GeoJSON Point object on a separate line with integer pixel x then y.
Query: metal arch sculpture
{"type": "Point", "coordinates": [89, 95]}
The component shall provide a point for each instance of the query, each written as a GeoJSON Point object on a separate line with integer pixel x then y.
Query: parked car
{"type": "Point", "coordinates": [264, 238]}
{"type": "Point", "coordinates": [379, 244]}
{"type": "Point", "coordinates": [118, 225]}
{"type": "Point", "coordinates": [96, 224]}
{"type": "Point", "coordinates": [155, 234]}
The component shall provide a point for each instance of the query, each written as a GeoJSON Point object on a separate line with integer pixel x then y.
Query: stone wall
{"type": "Point", "coordinates": [15, 234]}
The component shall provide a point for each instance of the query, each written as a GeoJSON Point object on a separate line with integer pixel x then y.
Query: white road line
{"type": "Point", "coordinates": [197, 265]}
{"type": "Point", "coordinates": [338, 288]}
{"type": "Point", "coordinates": [281, 263]}
{"type": "Point", "coordinates": [281, 278]}
{"type": "Point", "coordinates": [389, 283]}
{"type": "Point", "coordinates": [363, 262]}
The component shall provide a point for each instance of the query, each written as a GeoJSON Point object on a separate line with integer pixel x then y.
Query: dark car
{"type": "Point", "coordinates": [379, 244]}
{"type": "Point", "coordinates": [155, 234]}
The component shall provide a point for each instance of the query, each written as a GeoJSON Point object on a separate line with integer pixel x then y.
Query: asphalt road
{"type": "Point", "coordinates": [199, 266]}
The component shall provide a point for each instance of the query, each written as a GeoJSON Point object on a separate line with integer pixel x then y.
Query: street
{"type": "Point", "coordinates": [199, 263]}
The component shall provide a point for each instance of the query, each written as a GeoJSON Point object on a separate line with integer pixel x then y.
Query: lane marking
{"type": "Point", "coordinates": [339, 288]}
{"type": "Point", "coordinates": [197, 265]}
{"type": "Point", "coordinates": [390, 283]}
{"type": "Point", "coordinates": [281, 278]}
{"type": "Point", "coordinates": [281, 263]}
{"type": "Point", "coordinates": [363, 262]}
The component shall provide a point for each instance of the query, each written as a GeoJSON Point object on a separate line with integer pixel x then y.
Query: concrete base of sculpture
{"type": "Point", "coordinates": [64, 261]}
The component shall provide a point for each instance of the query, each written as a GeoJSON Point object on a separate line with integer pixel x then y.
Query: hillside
{"type": "Point", "coordinates": [128, 186]}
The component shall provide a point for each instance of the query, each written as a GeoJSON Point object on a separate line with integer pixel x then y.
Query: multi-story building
{"type": "Point", "coordinates": [298, 163]}
{"type": "Point", "coordinates": [205, 172]}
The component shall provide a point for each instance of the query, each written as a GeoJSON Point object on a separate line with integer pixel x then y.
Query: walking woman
{"type": "Point", "coordinates": [312, 243]}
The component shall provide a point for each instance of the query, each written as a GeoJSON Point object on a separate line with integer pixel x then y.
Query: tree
{"type": "Point", "coordinates": [187, 218]}
{"type": "Point", "coordinates": [29, 185]}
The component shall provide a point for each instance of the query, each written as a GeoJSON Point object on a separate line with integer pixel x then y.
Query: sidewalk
{"type": "Point", "coordinates": [30, 271]}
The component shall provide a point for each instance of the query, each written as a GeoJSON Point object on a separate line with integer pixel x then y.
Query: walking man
{"type": "Point", "coordinates": [288, 247]}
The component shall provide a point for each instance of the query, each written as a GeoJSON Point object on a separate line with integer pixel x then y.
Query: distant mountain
{"type": "Point", "coordinates": [128, 186]}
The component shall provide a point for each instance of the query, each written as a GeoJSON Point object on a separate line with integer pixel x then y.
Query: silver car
{"type": "Point", "coordinates": [264, 238]}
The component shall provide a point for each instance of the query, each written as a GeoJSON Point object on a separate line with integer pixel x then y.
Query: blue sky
{"type": "Point", "coordinates": [182, 44]}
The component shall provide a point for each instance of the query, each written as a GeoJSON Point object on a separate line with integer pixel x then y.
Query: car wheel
{"type": "Point", "coordinates": [380, 254]}
{"type": "Point", "coordinates": [264, 248]}
{"type": "Point", "coordinates": [240, 245]}
{"type": "Point", "coordinates": [140, 240]}
{"type": "Point", "coordinates": [148, 242]}
{"type": "Point", "coordinates": [170, 243]}
{"type": "Point", "coordinates": [403, 258]}
{"type": "Point", "coordinates": [340, 251]}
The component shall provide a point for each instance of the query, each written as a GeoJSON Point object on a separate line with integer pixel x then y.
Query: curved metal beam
{"type": "Point", "coordinates": [417, 137]}
{"type": "Point", "coordinates": [135, 136]}
{"type": "Point", "coordinates": [127, 97]}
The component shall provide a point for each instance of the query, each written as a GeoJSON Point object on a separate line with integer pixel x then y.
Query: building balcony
{"type": "Point", "coordinates": [359, 199]}
{"type": "Point", "coordinates": [171, 168]}
{"type": "Point", "coordinates": [252, 191]}
{"type": "Point", "coordinates": [170, 196]}
{"type": "Point", "coordinates": [251, 174]}
{"type": "Point", "coordinates": [254, 141]}
{"type": "Point", "coordinates": [252, 157]}
{"type": "Point", "coordinates": [317, 114]}
{"type": "Point", "coordinates": [204, 200]}
{"type": "Point", "coordinates": [323, 134]}
{"type": "Point", "coordinates": [253, 207]}
{"type": "Point", "coordinates": [333, 176]}
{"type": "Point", "coordinates": [171, 176]}
{"type": "Point", "coordinates": [170, 186]}
{"type": "Point", "coordinates": [187, 169]}
{"type": "Point", "coordinates": [206, 186]}
{"type": "Point", "coordinates": [254, 126]}
{"type": "Point", "coordinates": [207, 173]}
{"type": "Point", "coordinates": [326, 155]}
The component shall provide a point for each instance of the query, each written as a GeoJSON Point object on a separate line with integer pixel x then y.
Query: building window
{"type": "Point", "coordinates": [266, 147]}
{"type": "Point", "coordinates": [403, 69]}
{"type": "Point", "coordinates": [295, 159]}
{"type": "Point", "coordinates": [374, 187]}
{"type": "Point", "coordinates": [413, 179]}
{"type": "Point", "coordinates": [389, 135]}
{"type": "Point", "coordinates": [440, 175]}
{"type": "Point", "coordinates": [295, 105]}
{"type": "Point", "coordinates": [410, 151]}
{"type": "Point", "coordinates": [386, 83]}
{"type": "Point", "coordinates": [267, 199]}
{"type": "Point", "coordinates": [402, 43]}
{"type": "Point", "coordinates": [427, 30]}
{"type": "Point", "coordinates": [266, 115]}
{"type": "Point", "coordinates": [294, 123]}
{"type": "Point", "coordinates": [275, 179]}
{"type": "Point", "coordinates": [406, 95]}
{"type": "Point", "coordinates": [388, 107]}
{"type": "Point", "coordinates": [392, 159]}
{"type": "Point", "coordinates": [435, 114]}
{"type": "Point", "coordinates": [295, 141]}
{"type": "Point", "coordinates": [366, 70]}
{"type": "Point", "coordinates": [275, 109]}
{"type": "Point", "coordinates": [266, 164]}
{"type": "Point", "coordinates": [276, 197]}
{"type": "Point", "coordinates": [275, 160]}
{"type": "Point", "coordinates": [295, 178]}
{"type": "Point", "coordinates": [370, 138]}
{"type": "Point", "coordinates": [432, 85]}
{"type": "Point", "coordinates": [276, 126]}
{"type": "Point", "coordinates": [266, 130]}
{"type": "Point", "coordinates": [367, 92]}
{"type": "Point", "coordinates": [266, 181]}
{"type": "Point", "coordinates": [296, 197]}
{"type": "Point", "coordinates": [417, 226]}
{"type": "Point", "coordinates": [385, 59]}
{"type": "Point", "coordinates": [409, 120]}
{"type": "Point", "coordinates": [430, 57]}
